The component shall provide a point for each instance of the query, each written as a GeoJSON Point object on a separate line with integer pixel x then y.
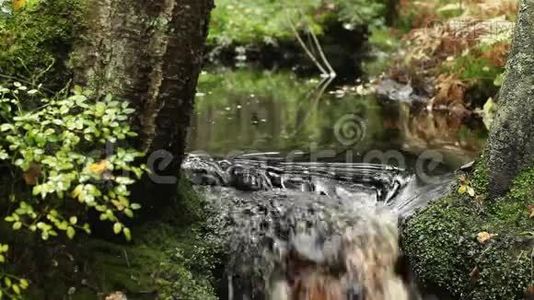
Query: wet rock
{"type": "Point", "coordinates": [388, 89]}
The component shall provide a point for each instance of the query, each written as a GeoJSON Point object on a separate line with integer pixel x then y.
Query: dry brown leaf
{"type": "Point", "coordinates": [484, 236]}
{"type": "Point", "coordinates": [531, 211]}
{"type": "Point", "coordinates": [32, 174]}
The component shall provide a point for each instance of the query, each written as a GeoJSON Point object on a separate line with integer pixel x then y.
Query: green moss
{"type": "Point", "coordinates": [173, 257]}
{"type": "Point", "coordinates": [441, 243]}
{"type": "Point", "coordinates": [480, 177]}
{"type": "Point", "coordinates": [37, 40]}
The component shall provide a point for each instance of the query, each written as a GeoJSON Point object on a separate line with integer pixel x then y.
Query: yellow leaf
{"type": "Point", "coordinates": [484, 236]}
{"type": "Point", "coordinates": [77, 191]}
{"type": "Point", "coordinates": [462, 189]}
{"type": "Point", "coordinates": [18, 4]}
{"type": "Point", "coordinates": [99, 167]}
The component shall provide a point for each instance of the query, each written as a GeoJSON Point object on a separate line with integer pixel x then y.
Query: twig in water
{"type": "Point", "coordinates": [306, 49]}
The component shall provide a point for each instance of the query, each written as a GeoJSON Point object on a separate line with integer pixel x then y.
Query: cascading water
{"type": "Point", "coordinates": [324, 231]}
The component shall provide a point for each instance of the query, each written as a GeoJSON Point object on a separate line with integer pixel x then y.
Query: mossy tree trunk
{"type": "Point", "coordinates": [149, 53]}
{"type": "Point", "coordinates": [511, 143]}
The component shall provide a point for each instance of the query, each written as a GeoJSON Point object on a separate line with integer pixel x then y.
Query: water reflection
{"type": "Point", "coordinates": [248, 110]}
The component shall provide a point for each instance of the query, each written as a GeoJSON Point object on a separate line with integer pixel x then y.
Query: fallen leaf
{"type": "Point", "coordinates": [484, 236]}
{"type": "Point", "coordinates": [531, 211]}
{"type": "Point", "coordinates": [32, 174]}
{"type": "Point", "coordinates": [471, 191]}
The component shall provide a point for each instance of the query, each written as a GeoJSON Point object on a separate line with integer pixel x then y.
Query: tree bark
{"type": "Point", "coordinates": [148, 52]}
{"type": "Point", "coordinates": [511, 142]}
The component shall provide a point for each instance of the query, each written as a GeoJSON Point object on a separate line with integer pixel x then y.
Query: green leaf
{"type": "Point", "coordinates": [6, 127]}
{"type": "Point", "coordinates": [73, 220]}
{"type": "Point", "coordinates": [16, 289]}
{"type": "Point", "coordinates": [17, 225]}
{"type": "Point", "coordinates": [71, 232]}
{"type": "Point", "coordinates": [87, 228]}
{"type": "Point", "coordinates": [129, 213]}
{"type": "Point", "coordinates": [24, 284]}
{"type": "Point", "coordinates": [127, 234]}
{"type": "Point", "coordinates": [117, 227]}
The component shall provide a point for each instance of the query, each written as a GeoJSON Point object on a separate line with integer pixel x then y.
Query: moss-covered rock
{"type": "Point", "coordinates": [37, 40]}
{"type": "Point", "coordinates": [448, 249]}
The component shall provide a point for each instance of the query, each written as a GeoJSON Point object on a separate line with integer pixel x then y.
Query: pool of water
{"type": "Point", "coordinates": [246, 110]}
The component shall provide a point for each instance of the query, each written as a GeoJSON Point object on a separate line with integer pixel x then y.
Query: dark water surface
{"type": "Point", "coordinates": [247, 110]}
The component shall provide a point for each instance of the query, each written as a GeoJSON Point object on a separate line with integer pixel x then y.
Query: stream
{"type": "Point", "coordinates": [310, 180]}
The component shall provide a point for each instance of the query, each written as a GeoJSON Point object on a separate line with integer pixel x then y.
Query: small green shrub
{"type": "Point", "coordinates": [66, 155]}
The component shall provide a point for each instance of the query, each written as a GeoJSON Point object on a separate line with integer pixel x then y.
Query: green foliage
{"type": "Point", "coordinates": [247, 22]}
{"type": "Point", "coordinates": [441, 243]}
{"type": "Point", "coordinates": [59, 166]}
{"type": "Point", "coordinates": [37, 40]}
{"type": "Point", "coordinates": [258, 21]}
{"type": "Point", "coordinates": [10, 285]}
{"type": "Point", "coordinates": [357, 12]}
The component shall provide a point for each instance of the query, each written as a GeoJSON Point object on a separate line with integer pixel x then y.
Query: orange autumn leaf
{"type": "Point", "coordinates": [99, 167]}
{"type": "Point", "coordinates": [18, 4]}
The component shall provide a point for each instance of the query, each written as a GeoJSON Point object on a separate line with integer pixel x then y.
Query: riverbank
{"type": "Point", "coordinates": [472, 246]}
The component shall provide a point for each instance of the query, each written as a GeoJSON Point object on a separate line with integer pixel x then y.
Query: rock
{"type": "Point", "coordinates": [389, 89]}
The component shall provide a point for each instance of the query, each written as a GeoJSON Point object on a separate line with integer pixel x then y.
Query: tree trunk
{"type": "Point", "coordinates": [148, 52]}
{"type": "Point", "coordinates": [511, 142]}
